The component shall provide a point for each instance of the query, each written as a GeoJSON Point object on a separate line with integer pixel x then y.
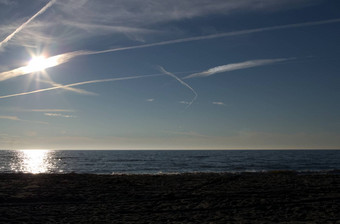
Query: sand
{"type": "Point", "coordinates": [275, 197]}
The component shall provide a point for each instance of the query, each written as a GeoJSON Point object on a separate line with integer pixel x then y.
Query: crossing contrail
{"type": "Point", "coordinates": [80, 91]}
{"type": "Point", "coordinates": [65, 57]}
{"type": "Point", "coordinates": [79, 84]}
{"type": "Point", "coordinates": [183, 83]}
{"type": "Point", "coordinates": [9, 37]}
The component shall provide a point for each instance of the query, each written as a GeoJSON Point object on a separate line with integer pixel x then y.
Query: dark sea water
{"type": "Point", "coordinates": [166, 161]}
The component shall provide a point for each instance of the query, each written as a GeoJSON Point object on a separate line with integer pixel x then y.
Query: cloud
{"type": "Point", "coordinates": [8, 140]}
{"type": "Point", "coordinates": [7, 2]}
{"type": "Point", "coordinates": [95, 28]}
{"type": "Point", "coordinates": [71, 20]}
{"type": "Point", "coordinates": [63, 58]}
{"type": "Point", "coordinates": [148, 12]}
{"type": "Point", "coordinates": [13, 118]}
{"type": "Point", "coordinates": [188, 133]}
{"type": "Point", "coordinates": [213, 36]}
{"type": "Point", "coordinates": [34, 32]}
{"type": "Point", "coordinates": [218, 103]}
{"type": "Point", "coordinates": [42, 10]}
{"type": "Point", "coordinates": [184, 102]}
{"type": "Point", "coordinates": [183, 83]}
{"type": "Point", "coordinates": [59, 115]}
{"type": "Point", "coordinates": [150, 100]}
{"type": "Point", "coordinates": [49, 110]}
{"type": "Point", "coordinates": [31, 134]}
{"type": "Point", "coordinates": [235, 66]}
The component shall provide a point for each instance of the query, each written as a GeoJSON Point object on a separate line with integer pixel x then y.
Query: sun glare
{"type": "Point", "coordinates": [40, 63]}
{"type": "Point", "coordinates": [33, 161]}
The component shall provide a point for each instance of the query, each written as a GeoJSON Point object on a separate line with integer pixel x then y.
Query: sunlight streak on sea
{"type": "Point", "coordinates": [33, 161]}
{"type": "Point", "coordinates": [166, 161]}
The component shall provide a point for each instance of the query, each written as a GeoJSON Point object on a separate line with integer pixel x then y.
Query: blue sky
{"type": "Point", "coordinates": [203, 74]}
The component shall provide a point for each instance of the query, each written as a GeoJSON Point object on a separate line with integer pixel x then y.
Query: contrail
{"type": "Point", "coordinates": [183, 83]}
{"type": "Point", "coordinates": [235, 66]}
{"type": "Point", "coordinates": [212, 36]}
{"type": "Point", "coordinates": [78, 84]}
{"type": "Point", "coordinates": [63, 58]}
{"type": "Point", "coordinates": [9, 37]}
{"type": "Point", "coordinates": [233, 33]}
{"type": "Point", "coordinates": [80, 91]}
{"type": "Point", "coordinates": [49, 62]}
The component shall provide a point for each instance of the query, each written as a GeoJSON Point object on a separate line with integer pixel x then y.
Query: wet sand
{"type": "Point", "coordinates": [276, 197]}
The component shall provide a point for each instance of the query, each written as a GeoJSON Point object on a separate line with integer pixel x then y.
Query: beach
{"type": "Point", "coordinates": [270, 197]}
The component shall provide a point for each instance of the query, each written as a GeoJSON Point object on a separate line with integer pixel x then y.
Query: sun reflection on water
{"type": "Point", "coordinates": [33, 161]}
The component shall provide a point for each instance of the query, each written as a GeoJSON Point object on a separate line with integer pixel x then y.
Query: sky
{"type": "Point", "coordinates": [170, 74]}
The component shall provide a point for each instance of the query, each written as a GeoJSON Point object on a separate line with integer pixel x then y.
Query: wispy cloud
{"type": "Point", "coordinates": [142, 13]}
{"type": "Point", "coordinates": [7, 2]}
{"type": "Point", "coordinates": [80, 19]}
{"type": "Point", "coordinates": [183, 83]}
{"type": "Point", "coordinates": [95, 28]}
{"type": "Point", "coordinates": [33, 33]}
{"type": "Point", "coordinates": [219, 35]}
{"type": "Point", "coordinates": [184, 102]}
{"type": "Point", "coordinates": [188, 133]}
{"type": "Point", "coordinates": [150, 100]}
{"type": "Point", "coordinates": [8, 139]}
{"type": "Point", "coordinates": [63, 58]}
{"type": "Point", "coordinates": [218, 103]}
{"type": "Point", "coordinates": [59, 115]}
{"type": "Point", "coordinates": [236, 66]}
{"type": "Point", "coordinates": [50, 110]}
{"type": "Point", "coordinates": [42, 10]}
{"type": "Point", "coordinates": [78, 84]}
{"type": "Point", "coordinates": [15, 118]}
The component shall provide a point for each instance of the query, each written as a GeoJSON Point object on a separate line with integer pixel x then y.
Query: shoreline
{"type": "Point", "coordinates": [269, 197]}
{"type": "Point", "coordinates": [297, 172]}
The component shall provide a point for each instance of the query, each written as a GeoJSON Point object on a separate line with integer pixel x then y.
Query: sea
{"type": "Point", "coordinates": [167, 161]}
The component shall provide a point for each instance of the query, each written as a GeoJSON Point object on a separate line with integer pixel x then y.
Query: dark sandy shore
{"type": "Point", "coordinates": [277, 197]}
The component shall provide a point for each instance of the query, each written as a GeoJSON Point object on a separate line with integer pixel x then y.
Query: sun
{"type": "Point", "coordinates": [37, 64]}
{"type": "Point", "coordinates": [40, 63]}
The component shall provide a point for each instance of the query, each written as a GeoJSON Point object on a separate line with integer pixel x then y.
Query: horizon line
{"type": "Point", "coordinates": [173, 149]}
